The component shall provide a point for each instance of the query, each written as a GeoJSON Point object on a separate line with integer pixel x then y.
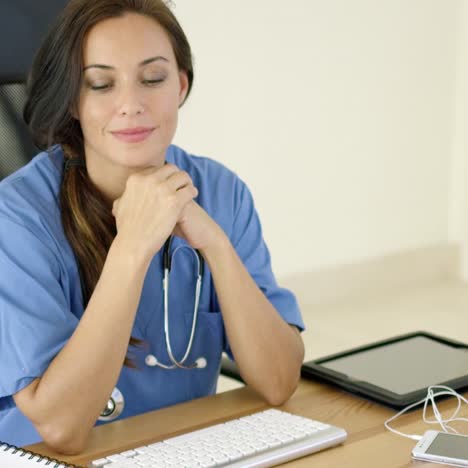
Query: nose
{"type": "Point", "coordinates": [130, 102]}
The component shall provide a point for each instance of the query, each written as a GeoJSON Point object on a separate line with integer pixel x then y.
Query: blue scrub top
{"type": "Point", "coordinates": [40, 293]}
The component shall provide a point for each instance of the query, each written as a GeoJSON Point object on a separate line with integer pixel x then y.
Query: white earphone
{"type": "Point", "coordinates": [433, 392]}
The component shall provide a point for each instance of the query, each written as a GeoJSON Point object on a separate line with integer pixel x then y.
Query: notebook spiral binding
{"type": "Point", "coordinates": [23, 453]}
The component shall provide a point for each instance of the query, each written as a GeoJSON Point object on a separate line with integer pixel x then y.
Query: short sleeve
{"type": "Point", "coordinates": [35, 317]}
{"type": "Point", "coordinates": [247, 239]}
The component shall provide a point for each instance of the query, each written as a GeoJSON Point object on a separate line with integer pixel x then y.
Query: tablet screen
{"type": "Point", "coordinates": [404, 366]}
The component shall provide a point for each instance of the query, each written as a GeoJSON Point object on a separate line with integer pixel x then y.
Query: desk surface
{"type": "Point", "coordinates": [369, 444]}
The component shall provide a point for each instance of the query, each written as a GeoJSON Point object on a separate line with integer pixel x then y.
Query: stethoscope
{"type": "Point", "coordinates": [151, 359]}
{"type": "Point", "coordinates": [116, 402]}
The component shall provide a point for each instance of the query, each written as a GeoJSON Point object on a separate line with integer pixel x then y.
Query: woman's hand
{"type": "Point", "coordinates": [197, 227]}
{"type": "Point", "coordinates": [150, 207]}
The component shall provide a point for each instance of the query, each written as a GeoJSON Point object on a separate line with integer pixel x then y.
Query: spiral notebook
{"type": "Point", "coordinates": [14, 457]}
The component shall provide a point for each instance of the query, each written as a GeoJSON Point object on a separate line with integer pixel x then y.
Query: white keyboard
{"type": "Point", "coordinates": [261, 439]}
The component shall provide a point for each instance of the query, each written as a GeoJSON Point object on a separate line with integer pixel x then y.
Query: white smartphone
{"type": "Point", "coordinates": [441, 447]}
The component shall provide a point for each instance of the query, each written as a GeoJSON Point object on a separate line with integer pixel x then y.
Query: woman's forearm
{"type": "Point", "coordinates": [268, 351]}
{"type": "Point", "coordinates": [71, 394]}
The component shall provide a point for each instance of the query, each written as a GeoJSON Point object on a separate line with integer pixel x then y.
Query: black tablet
{"type": "Point", "coordinates": [396, 371]}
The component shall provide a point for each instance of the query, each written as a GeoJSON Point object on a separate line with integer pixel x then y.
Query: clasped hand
{"type": "Point", "coordinates": [159, 202]}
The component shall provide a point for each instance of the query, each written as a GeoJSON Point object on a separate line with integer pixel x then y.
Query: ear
{"type": "Point", "coordinates": [184, 86]}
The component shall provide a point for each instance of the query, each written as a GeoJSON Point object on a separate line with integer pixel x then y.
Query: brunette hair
{"type": "Point", "coordinates": [54, 86]}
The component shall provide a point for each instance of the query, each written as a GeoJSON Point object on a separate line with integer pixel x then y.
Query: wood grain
{"type": "Point", "coordinates": [369, 444]}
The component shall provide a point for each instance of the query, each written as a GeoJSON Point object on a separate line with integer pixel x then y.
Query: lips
{"type": "Point", "coordinates": [133, 135]}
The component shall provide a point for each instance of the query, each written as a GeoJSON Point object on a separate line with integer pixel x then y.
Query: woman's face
{"type": "Point", "coordinates": [131, 93]}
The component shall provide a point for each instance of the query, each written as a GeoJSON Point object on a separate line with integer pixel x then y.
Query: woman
{"type": "Point", "coordinates": [82, 233]}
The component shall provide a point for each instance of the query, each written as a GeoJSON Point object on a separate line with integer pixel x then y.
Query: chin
{"type": "Point", "coordinates": [138, 161]}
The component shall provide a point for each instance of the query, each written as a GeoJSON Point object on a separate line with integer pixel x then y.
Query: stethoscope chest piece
{"type": "Point", "coordinates": [115, 406]}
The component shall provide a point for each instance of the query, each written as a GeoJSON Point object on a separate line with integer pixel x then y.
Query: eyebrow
{"type": "Point", "coordinates": [141, 64]}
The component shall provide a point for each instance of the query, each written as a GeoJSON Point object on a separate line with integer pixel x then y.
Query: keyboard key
{"type": "Point", "coordinates": [116, 458]}
{"type": "Point", "coordinates": [100, 462]}
{"type": "Point", "coordinates": [128, 453]}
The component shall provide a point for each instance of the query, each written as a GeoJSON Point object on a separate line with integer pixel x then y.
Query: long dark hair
{"type": "Point", "coordinates": [53, 92]}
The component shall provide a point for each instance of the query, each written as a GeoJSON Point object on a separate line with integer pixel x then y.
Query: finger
{"type": "Point", "coordinates": [161, 173]}
{"type": "Point", "coordinates": [186, 194]}
{"type": "Point", "coordinates": [179, 180]}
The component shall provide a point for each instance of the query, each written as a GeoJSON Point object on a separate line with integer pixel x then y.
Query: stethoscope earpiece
{"type": "Point", "coordinates": [151, 361]}
{"type": "Point", "coordinates": [201, 363]}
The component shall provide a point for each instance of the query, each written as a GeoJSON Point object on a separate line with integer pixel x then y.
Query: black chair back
{"type": "Point", "coordinates": [23, 25]}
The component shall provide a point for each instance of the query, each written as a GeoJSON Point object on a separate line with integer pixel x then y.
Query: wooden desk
{"type": "Point", "coordinates": [369, 444]}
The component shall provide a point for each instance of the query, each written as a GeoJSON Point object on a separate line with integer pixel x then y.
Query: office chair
{"type": "Point", "coordinates": [23, 25]}
{"type": "Point", "coordinates": [229, 369]}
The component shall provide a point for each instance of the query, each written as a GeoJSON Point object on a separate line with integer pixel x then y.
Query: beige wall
{"type": "Point", "coordinates": [458, 221]}
{"type": "Point", "coordinates": [339, 114]}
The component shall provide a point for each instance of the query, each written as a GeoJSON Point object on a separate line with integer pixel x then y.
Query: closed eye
{"type": "Point", "coordinates": [152, 82]}
{"type": "Point", "coordinates": [99, 88]}
{"type": "Point", "coordinates": [108, 86]}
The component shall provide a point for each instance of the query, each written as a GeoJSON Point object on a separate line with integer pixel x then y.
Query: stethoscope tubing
{"type": "Point", "coordinates": [167, 263]}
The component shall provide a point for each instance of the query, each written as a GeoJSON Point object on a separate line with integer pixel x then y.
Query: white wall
{"type": "Point", "coordinates": [339, 114]}
{"type": "Point", "coordinates": [458, 220]}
